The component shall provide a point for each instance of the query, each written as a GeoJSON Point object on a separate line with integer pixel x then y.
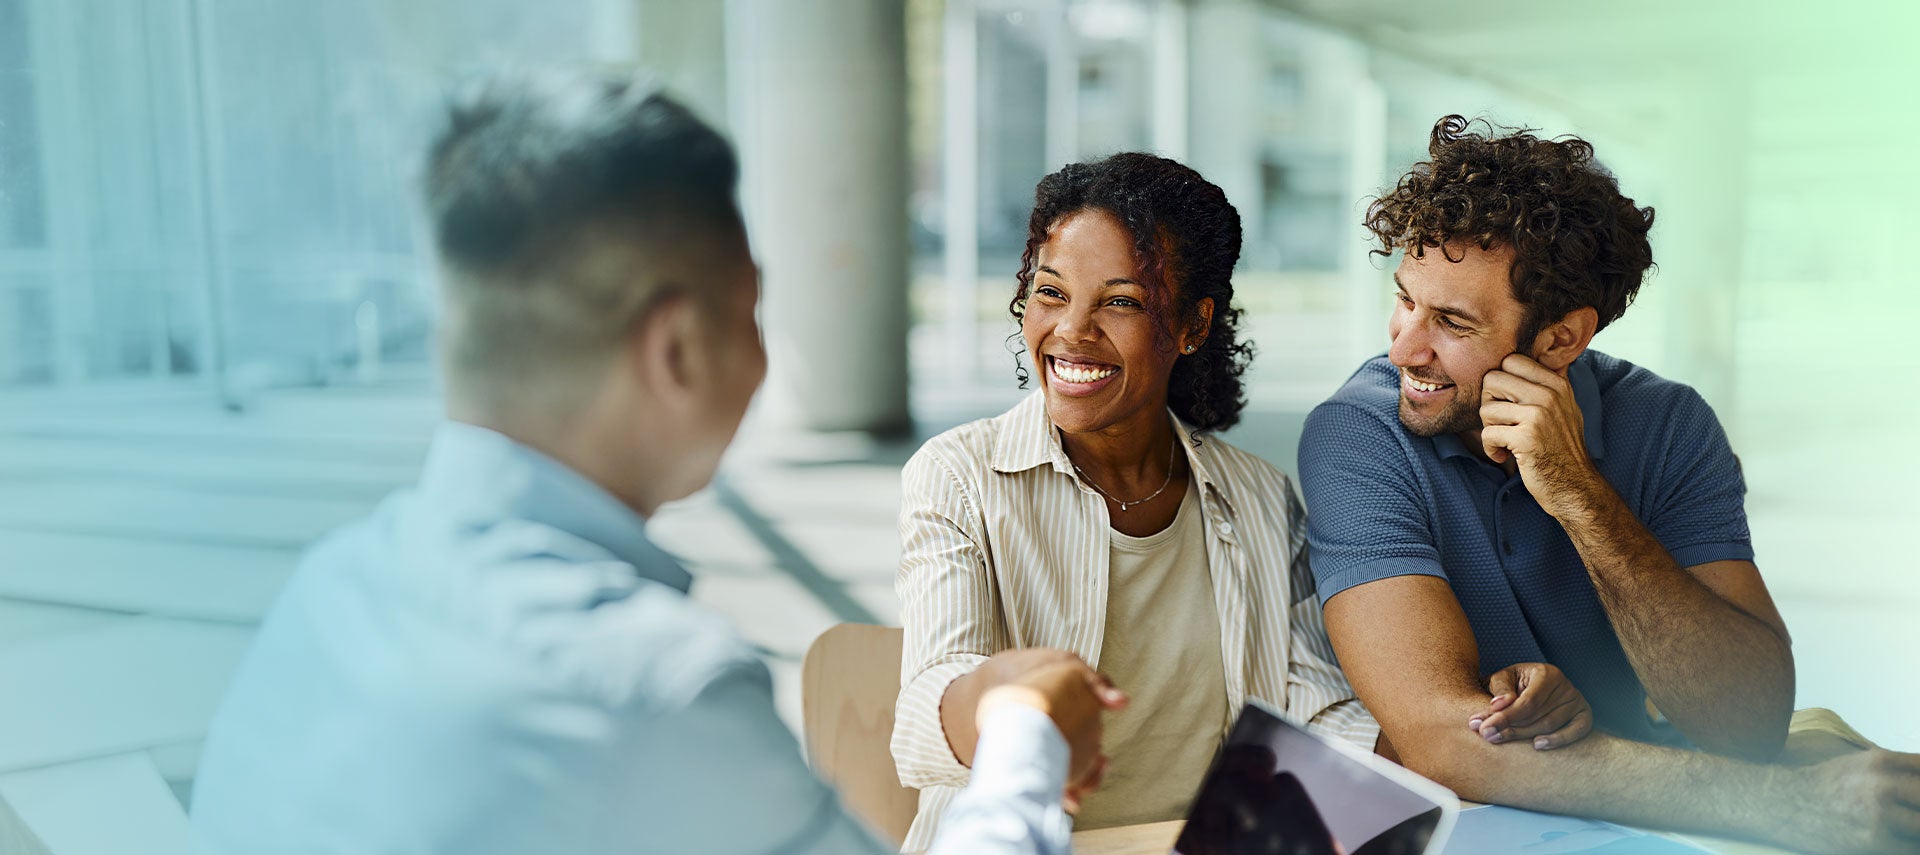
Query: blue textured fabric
{"type": "Point", "coordinates": [1382, 502]}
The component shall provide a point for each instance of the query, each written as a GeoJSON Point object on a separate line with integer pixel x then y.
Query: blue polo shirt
{"type": "Point", "coordinates": [1383, 502]}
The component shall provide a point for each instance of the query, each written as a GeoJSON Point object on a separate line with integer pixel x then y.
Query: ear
{"type": "Point", "coordinates": [661, 350]}
{"type": "Point", "coordinates": [1196, 334]}
{"type": "Point", "coordinates": [1557, 346]}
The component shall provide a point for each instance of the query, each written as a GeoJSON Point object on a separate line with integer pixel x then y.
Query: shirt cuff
{"type": "Point", "coordinates": [1348, 721]}
{"type": "Point", "coordinates": [1020, 754]}
{"type": "Point", "coordinates": [921, 751]}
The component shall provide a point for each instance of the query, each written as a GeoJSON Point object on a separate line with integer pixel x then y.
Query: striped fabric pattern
{"type": "Point", "coordinates": [1004, 547]}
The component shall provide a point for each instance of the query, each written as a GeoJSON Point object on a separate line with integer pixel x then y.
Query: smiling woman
{"type": "Point", "coordinates": [1092, 521]}
{"type": "Point", "coordinates": [1154, 222]}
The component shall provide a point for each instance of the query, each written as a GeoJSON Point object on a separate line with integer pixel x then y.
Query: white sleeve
{"type": "Point", "coordinates": [1012, 803]}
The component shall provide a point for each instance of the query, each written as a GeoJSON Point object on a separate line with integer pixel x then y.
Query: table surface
{"type": "Point", "coordinates": [1815, 735]}
{"type": "Point", "coordinates": [1156, 838]}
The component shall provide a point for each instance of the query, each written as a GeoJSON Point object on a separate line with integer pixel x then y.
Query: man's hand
{"type": "Point", "coordinates": [1533, 701]}
{"type": "Point", "coordinates": [1868, 801]}
{"type": "Point", "coordinates": [1528, 414]}
{"type": "Point", "coordinates": [1059, 684]}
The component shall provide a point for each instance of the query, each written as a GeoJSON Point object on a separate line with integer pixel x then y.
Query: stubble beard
{"type": "Point", "coordinates": [1459, 416]}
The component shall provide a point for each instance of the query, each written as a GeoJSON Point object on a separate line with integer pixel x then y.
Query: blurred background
{"type": "Point", "coordinates": [216, 308]}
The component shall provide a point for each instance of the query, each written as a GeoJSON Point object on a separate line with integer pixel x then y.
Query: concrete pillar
{"type": "Point", "coordinates": [1699, 235]}
{"type": "Point", "coordinates": [1224, 39]}
{"type": "Point", "coordinates": [1365, 282]}
{"type": "Point", "coordinates": [65, 148]}
{"type": "Point", "coordinates": [686, 43]}
{"type": "Point", "coordinates": [819, 107]}
{"type": "Point", "coordinates": [207, 155]}
{"type": "Point", "coordinates": [1171, 87]}
{"type": "Point", "coordinates": [960, 178]}
{"type": "Point", "coordinates": [1063, 87]}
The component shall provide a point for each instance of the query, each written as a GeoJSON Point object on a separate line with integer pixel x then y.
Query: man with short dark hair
{"type": "Point", "coordinates": [1491, 491]}
{"type": "Point", "coordinates": [498, 659]}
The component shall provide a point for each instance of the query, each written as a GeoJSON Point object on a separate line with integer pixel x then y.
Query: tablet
{"type": "Point", "coordinates": [1275, 789]}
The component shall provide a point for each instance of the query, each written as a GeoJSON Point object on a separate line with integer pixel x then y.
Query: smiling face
{"type": "Point", "coordinates": [1103, 356]}
{"type": "Point", "coordinates": [1453, 322]}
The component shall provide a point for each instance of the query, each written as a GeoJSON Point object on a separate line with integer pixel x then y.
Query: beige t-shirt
{"type": "Point", "coordinates": [1162, 646]}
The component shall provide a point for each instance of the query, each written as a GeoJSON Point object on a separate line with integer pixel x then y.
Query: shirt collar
{"type": "Point", "coordinates": [1586, 393]}
{"type": "Point", "coordinates": [485, 476]}
{"type": "Point", "coordinates": [1025, 438]}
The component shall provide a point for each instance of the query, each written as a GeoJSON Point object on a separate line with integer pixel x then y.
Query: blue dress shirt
{"type": "Point", "coordinates": [499, 660]}
{"type": "Point", "coordinates": [1382, 502]}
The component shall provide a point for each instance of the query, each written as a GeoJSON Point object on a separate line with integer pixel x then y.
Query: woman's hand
{"type": "Point", "coordinates": [1533, 700]}
{"type": "Point", "coordinates": [1029, 667]}
{"type": "Point", "coordinates": [1074, 696]}
{"type": "Point", "coordinates": [1009, 666]}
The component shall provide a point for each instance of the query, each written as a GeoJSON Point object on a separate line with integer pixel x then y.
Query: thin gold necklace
{"type": "Point", "coordinates": [1175, 449]}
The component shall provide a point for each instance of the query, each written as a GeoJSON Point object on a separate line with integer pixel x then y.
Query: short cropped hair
{"type": "Point", "coordinates": [530, 182]}
{"type": "Point", "coordinates": [1576, 240]}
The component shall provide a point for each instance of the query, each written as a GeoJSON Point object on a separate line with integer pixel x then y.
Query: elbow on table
{"type": "Point", "coordinates": [1747, 723]}
{"type": "Point", "coordinates": [1453, 757]}
{"type": "Point", "coordinates": [1757, 736]}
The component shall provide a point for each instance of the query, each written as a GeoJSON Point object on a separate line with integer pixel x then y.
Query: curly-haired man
{"type": "Point", "coordinates": [1491, 491]}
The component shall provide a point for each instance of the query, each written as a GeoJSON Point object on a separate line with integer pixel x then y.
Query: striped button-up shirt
{"type": "Point", "coordinates": [1004, 547]}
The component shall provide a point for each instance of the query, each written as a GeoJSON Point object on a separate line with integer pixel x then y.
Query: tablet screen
{"type": "Point", "coordinates": [1275, 789]}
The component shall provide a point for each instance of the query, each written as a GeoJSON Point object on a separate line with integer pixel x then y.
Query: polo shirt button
{"type": "Point", "coordinates": [1508, 546]}
{"type": "Point", "coordinates": [1226, 528]}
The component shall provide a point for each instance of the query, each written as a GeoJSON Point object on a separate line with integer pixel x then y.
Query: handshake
{"type": "Point", "coordinates": [1055, 682]}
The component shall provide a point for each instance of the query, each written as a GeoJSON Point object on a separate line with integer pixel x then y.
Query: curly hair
{"type": "Point", "coordinates": [1576, 240]}
{"type": "Point", "coordinates": [1186, 238]}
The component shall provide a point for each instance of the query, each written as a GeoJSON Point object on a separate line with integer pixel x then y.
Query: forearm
{"type": "Point", "coordinates": [957, 708]}
{"type": "Point", "coordinates": [1723, 676]}
{"type": "Point", "coordinates": [1618, 780]}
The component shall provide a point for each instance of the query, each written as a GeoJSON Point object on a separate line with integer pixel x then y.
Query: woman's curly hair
{"type": "Point", "coordinates": [1576, 240]}
{"type": "Point", "coordinates": [1186, 238]}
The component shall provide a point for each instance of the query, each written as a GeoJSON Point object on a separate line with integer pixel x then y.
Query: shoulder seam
{"type": "Point", "coordinates": [941, 459]}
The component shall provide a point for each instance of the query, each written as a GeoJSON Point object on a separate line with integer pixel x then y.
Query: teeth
{"type": "Point", "coordinates": [1075, 374]}
{"type": "Point", "coordinates": [1424, 387]}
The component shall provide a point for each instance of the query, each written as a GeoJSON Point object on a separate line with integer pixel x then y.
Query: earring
{"type": "Point", "coordinates": [1189, 348]}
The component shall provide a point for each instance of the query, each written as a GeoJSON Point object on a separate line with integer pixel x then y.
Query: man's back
{"type": "Point", "coordinates": [497, 660]}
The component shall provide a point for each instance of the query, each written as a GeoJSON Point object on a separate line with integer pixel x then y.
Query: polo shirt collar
{"type": "Point", "coordinates": [1024, 438]}
{"type": "Point", "coordinates": [1586, 393]}
{"type": "Point", "coordinates": [485, 477]}
{"type": "Point", "coordinates": [1448, 446]}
